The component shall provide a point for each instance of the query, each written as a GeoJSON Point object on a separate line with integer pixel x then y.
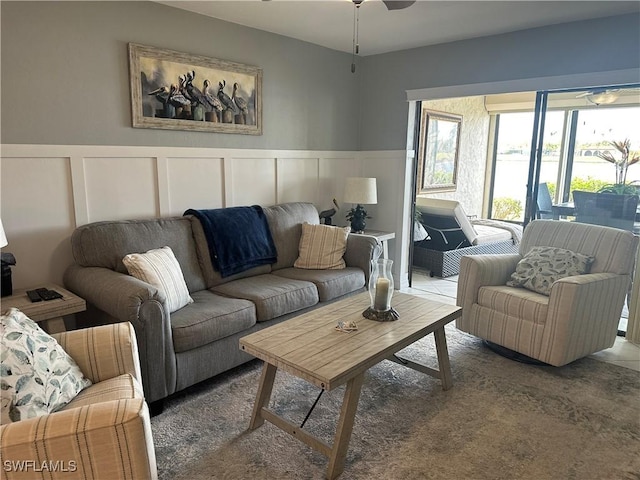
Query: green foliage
{"type": "Point", "coordinates": [506, 209]}
{"type": "Point", "coordinates": [440, 177]}
{"type": "Point", "coordinates": [621, 188]}
{"type": "Point", "coordinates": [588, 184]}
{"type": "Point", "coordinates": [358, 212]}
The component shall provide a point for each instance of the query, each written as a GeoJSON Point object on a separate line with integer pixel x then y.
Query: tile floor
{"type": "Point", "coordinates": [623, 353]}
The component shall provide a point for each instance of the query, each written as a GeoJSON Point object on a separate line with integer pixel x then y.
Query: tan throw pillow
{"type": "Point", "coordinates": [160, 268]}
{"type": "Point", "coordinates": [322, 247]}
{"type": "Point", "coordinates": [542, 266]}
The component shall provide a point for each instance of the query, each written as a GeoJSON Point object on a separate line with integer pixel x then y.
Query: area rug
{"type": "Point", "coordinates": [501, 420]}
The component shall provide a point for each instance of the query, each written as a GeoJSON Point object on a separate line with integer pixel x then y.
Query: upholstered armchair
{"type": "Point", "coordinates": [580, 315]}
{"type": "Point", "coordinates": [103, 433]}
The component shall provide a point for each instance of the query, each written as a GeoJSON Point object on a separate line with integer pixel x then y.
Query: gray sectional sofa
{"type": "Point", "coordinates": [200, 340]}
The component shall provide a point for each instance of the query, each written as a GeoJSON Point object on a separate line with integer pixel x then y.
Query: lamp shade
{"type": "Point", "coordinates": [3, 237]}
{"type": "Point", "coordinates": [360, 190]}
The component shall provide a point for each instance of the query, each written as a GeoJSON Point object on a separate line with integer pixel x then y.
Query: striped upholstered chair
{"type": "Point", "coordinates": [580, 315]}
{"type": "Point", "coordinates": [103, 433]}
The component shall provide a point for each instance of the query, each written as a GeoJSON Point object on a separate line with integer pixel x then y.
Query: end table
{"type": "Point", "coordinates": [49, 312]}
{"type": "Point", "coordinates": [384, 237]}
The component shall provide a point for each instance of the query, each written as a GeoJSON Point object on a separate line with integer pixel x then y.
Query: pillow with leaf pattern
{"type": "Point", "coordinates": [542, 266]}
{"type": "Point", "coordinates": [37, 376]}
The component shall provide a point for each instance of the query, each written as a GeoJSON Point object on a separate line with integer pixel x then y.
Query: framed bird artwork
{"type": "Point", "coordinates": [179, 91]}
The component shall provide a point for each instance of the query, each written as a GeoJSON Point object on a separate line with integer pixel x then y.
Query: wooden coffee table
{"type": "Point", "coordinates": [310, 348]}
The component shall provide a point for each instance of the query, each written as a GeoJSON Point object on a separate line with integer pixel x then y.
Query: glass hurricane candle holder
{"type": "Point", "coordinates": [381, 292]}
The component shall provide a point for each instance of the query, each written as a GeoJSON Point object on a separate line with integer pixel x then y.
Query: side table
{"type": "Point", "coordinates": [49, 312]}
{"type": "Point", "coordinates": [383, 237]}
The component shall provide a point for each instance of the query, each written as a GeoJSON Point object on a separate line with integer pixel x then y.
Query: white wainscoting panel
{"type": "Point", "coordinates": [298, 180]}
{"type": "Point", "coordinates": [332, 173]}
{"type": "Point", "coordinates": [253, 181]}
{"type": "Point", "coordinates": [121, 188]}
{"type": "Point", "coordinates": [49, 190]}
{"type": "Point", "coordinates": [37, 215]}
{"type": "Point", "coordinates": [195, 182]}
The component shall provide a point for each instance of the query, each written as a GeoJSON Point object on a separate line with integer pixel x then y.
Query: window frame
{"type": "Point", "coordinates": [425, 154]}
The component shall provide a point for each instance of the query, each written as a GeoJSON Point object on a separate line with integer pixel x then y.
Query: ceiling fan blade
{"type": "Point", "coordinates": [397, 4]}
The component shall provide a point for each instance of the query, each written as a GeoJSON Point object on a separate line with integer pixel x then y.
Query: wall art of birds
{"type": "Point", "coordinates": [240, 102]}
{"type": "Point", "coordinates": [213, 101]}
{"type": "Point", "coordinates": [176, 98]}
{"type": "Point", "coordinates": [162, 95]}
{"type": "Point", "coordinates": [198, 101]}
{"type": "Point", "coordinates": [224, 98]}
{"type": "Point", "coordinates": [194, 92]}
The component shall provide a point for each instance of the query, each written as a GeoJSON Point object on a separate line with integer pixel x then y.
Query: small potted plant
{"type": "Point", "coordinates": [419, 232]}
{"type": "Point", "coordinates": [357, 216]}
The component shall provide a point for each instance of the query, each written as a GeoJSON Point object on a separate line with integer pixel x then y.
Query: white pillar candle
{"type": "Point", "coordinates": [382, 295]}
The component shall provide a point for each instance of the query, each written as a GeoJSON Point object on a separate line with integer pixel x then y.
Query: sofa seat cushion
{"type": "Point", "coordinates": [272, 295]}
{"type": "Point", "coordinates": [515, 302]}
{"type": "Point", "coordinates": [209, 318]}
{"type": "Point", "coordinates": [122, 387]}
{"type": "Point", "coordinates": [330, 283]}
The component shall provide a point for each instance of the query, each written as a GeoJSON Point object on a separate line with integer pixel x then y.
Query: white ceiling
{"type": "Point", "coordinates": [427, 22]}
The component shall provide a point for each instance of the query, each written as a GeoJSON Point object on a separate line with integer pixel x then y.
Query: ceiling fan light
{"type": "Point", "coordinates": [604, 98]}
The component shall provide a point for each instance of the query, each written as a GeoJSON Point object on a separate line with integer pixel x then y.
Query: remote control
{"type": "Point", "coordinates": [34, 296]}
{"type": "Point", "coordinates": [48, 294]}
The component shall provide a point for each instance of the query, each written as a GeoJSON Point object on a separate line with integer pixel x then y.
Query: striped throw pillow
{"type": "Point", "coordinates": [160, 268]}
{"type": "Point", "coordinates": [322, 247]}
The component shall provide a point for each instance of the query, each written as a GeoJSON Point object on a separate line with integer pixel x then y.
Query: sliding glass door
{"type": "Point", "coordinates": [561, 143]}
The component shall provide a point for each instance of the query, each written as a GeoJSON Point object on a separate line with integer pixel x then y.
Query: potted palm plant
{"type": "Point", "coordinates": [627, 158]}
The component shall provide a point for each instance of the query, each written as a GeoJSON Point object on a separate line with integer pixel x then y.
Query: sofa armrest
{"type": "Point", "coordinates": [84, 442]}
{"type": "Point", "coordinates": [131, 300]}
{"type": "Point", "coordinates": [579, 320]}
{"type": "Point", "coordinates": [115, 293]}
{"type": "Point", "coordinates": [103, 352]}
{"type": "Point", "coordinates": [361, 249]}
{"type": "Point", "coordinates": [482, 270]}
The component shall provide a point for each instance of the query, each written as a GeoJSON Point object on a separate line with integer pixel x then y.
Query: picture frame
{"type": "Point", "coordinates": [439, 151]}
{"type": "Point", "coordinates": [180, 91]}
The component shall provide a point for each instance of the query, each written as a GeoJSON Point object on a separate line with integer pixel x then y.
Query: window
{"type": "Point", "coordinates": [573, 140]}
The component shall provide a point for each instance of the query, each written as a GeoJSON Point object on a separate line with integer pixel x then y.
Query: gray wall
{"type": "Point", "coordinates": [600, 45]}
{"type": "Point", "coordinates": [65, 77]}
{"type": "Point", "coordinates": [65, 74]}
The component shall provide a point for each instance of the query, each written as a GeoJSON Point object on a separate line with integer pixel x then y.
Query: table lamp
{"type": "Point", "coordinates": [359, 190]}
{"type": "Point", "coordinates": [7, 259]}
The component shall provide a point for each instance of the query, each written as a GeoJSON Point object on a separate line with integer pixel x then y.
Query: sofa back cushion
{"type": "Point", "coordinates": [285, 221]}
{"type": "Point", "coordinates": [105, 244]}
{"type": "Point", "coordinates": [211, 276]}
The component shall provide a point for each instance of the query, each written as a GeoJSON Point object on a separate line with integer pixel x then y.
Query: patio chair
{"type": "Point", "coordinates": [544, 202]}
{"type": "Point", "coordinates": [606, 209]}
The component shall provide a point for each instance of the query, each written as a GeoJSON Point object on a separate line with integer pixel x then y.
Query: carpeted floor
{"type": "Point", "coordinates": [501, 420]}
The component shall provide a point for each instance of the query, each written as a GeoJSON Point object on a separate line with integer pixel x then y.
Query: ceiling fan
{"type": "Point", "coordinates": [390, 4]}
{"type": "Point", "coordinates": [605, 96]}
{"type": "Point", "coordinates": [397, 5]}
{"type": "Point", "coordinates": [600, 96]}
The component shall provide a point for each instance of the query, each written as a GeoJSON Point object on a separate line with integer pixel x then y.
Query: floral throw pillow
{"type": "Point", "coordinates": [542, 266]}
{"type": "Point", "coordinates": [37, 376]}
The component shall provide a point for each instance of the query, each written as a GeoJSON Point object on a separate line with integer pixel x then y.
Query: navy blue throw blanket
{"type": "Point", "coordinates": [238, 238]}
